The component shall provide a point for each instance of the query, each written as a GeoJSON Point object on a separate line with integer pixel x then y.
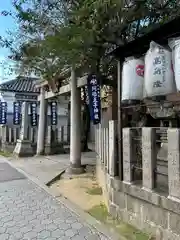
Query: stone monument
{"type": "Point", "coordinates": [23, 146]}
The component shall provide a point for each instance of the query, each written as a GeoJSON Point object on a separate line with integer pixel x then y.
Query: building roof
{"type": "Point", "coordinates": [21, 85]}
{"type": "Point", "coordinates": [140, 45]}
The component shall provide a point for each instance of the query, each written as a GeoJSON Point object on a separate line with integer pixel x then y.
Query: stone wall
{"type": "Point", "coordinates": [141, 204]}
{"type": "Point", "coordinates": [146, 210]}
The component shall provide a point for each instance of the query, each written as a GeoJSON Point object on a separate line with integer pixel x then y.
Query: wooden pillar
{"type": "Point", "coordinates": [119, 87]}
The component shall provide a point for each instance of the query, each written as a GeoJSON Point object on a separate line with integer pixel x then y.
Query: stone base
{"type": "Point", "coordinates": [53, 149]}
{"type": "Point", "coordinates": [75, 170]}
{"type": "Point", "coordinates": [40, 154]}
{"type": "Point", "coordinates": [7, 147]}
{"type": "Point", "coordinates": [47, 150]}
{"type": "Point", "coordinates": [23, 148]}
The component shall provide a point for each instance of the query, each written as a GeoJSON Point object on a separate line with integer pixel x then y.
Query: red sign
{"type": "Point", "coordinates": [140, 70]}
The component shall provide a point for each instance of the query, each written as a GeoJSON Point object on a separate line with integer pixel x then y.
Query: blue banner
{"type": "Point", "coordinates": [16, 113]}
{"type": "Point", "coordinates": [94, 98]}
{"type": "Point", "coordinates": [33, 114]}
{"type": "Point", "coordinates": [3, 113]}
{"type": "Point", "coordinates": [53, 113]}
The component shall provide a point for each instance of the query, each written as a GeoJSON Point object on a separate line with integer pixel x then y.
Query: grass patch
{"type": "Point", "coordinates": [94, 191]}
{"type": "Point", "coordinates": [100, 212]}
{"type": "Point", "coordinates": [5, 154]}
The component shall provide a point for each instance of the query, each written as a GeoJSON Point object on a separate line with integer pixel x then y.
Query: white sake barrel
{"type": "Point", "coordinates": [159, 77]}
{"type": "Point", "coordinates": [174, 44]}
{"type": "Point", "coordinates": [132, 79]}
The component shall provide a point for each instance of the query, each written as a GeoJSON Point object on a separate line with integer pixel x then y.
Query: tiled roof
{"type": "Point", "coordinates": [20, 84]}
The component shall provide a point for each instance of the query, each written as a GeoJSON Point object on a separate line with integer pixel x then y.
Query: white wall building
{"type": "Point", "coordinates": [24, 89]}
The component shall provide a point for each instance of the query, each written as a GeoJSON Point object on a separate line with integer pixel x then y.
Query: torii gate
{"type": "Point", "coordinates": [75, 129]}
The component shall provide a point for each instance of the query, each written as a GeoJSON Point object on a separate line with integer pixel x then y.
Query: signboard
{"type": "Point", "coordinates": [94, 98]}
{"type": "Point", "coordinates": [3, 112]}
{"type": "Point", "coordinates": [16, 113]}
{"type": "Point", "coordinates": [53, 113]}
{"type": "Point", "coordinates": [33, 114]}
{"type": "Point", "coordinates": [25, 97]}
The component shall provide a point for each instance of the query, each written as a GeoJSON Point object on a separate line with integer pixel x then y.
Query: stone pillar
{"type": "Point", "coordinates": [4, 135]}
{"type": "Point", "coordinates": [47, 142]}
{"type": "Point", "coordinates": [68, 122]}
{"type": "Point", "coordinates": [148, 156]}
{"type": "Point", "coordinates": [112, 148]}
{"type": "Point", "coordinates": [24, 122]}
{"type": "Point", "coordinates": [41, 125]}
{"type": "Point", "coordinates": [174, 162]}
{"type": "Point", "coordinates": [75, 130]}
{"type": "Point", "coordinates": [23, 146]}
{"type": "Point", "coordinates": [102, 145]}
{"type": "Point", "coordinates": [127, 155]}
{"type": "Point", "coordinates": [4, 132]}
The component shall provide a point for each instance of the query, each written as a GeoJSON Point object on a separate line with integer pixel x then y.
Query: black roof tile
{"type": "Point", "coordinates": [20, 84]}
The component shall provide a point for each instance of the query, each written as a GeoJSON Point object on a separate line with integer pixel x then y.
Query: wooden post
{"type": "Point", "coordinates": [119, 87]}
{"type": "Point", "coordinates": [112, 148]}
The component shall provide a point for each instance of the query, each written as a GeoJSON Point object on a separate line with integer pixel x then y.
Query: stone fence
{"type": "Point", "coordinates": [10, 135]}
{"type": "Point", "coordinates": [56, 139]}
{"type": "Point", "coordinates": [138, 199]}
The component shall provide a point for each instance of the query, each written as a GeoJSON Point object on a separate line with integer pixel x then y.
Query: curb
{"type": "Point", "coordinates": [54, 179]}
{"type": "Point", "coordinates": [100, 227]}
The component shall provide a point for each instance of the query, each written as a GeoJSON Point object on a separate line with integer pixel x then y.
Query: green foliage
{"type": "Point", "coordinates": [54, 34]}
{"type": "Point", "coordinates": [124, 230]}
{"type": "Point", "coordinates": [94, 191]}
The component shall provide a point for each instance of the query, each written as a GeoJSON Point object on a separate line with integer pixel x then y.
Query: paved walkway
{"type": "Point", "coordinates": [28, 212]}
{"type": "Point", "coordinates": [45, 168]}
